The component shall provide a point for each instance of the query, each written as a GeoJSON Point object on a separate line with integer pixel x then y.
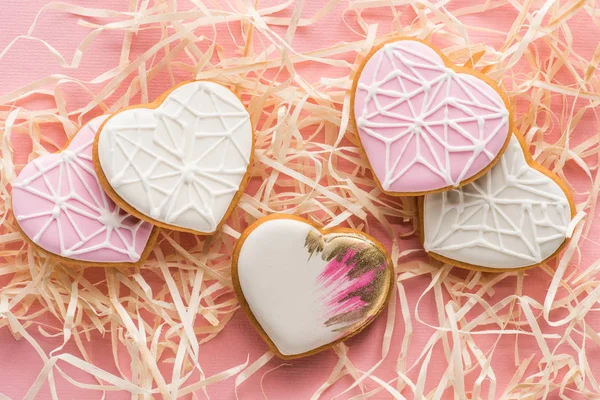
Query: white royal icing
{"type": "Point", "coordinates": [183, 162]}
{"type": "Point", "coordinates": [514, 216]}
{"type": "Point", "coordinates": [301, 300]}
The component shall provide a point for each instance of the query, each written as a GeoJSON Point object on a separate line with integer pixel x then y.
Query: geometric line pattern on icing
{"type": "Point", "coordinates": [513, 216]}
{"type": "Point", "coordinates": [183, 162]}
{"type": "Point", "coordinates": [60, 205]}
{"type": "Point", "coordinates": [423, 125]}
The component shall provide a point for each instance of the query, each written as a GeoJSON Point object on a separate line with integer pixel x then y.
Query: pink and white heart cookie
{"type": "Point", "coordinates": [61, 208]}
{"type": "Point", "coordinates": [306, 289]}
{"type": "Point", "coordinates": [425, 124]}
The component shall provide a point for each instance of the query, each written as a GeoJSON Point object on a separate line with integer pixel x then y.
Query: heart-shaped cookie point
{"type": "Point", "coordinates": [516, 216]}
{"type": "Point", "coordinates": [180, 162]}
{"type": "Point", "coordinates": [425, 124]}
{"type": "Point", "coordinates": [306, 289]}
{"type": "Point", "coordinates": [61, 208]}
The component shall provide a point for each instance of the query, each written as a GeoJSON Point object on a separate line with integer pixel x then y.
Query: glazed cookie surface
{"type": "Point", "coordinates": [180, 162]}
{"type": "Point", "coordinates": [306, 289]}
{"type": "Point", "coordinates": [425, 124]}
{"type": "Point", "coordinates": [61, 208]}
{"type": "Point", "coordinates": [515, 216]}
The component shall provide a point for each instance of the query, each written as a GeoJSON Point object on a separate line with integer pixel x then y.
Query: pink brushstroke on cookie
{"type": "Point", "coordinates": [60, 205]}
{"type": "Point", "coordinates": [343, 294]}
{"type": "Point", "coordinates": [335, 269]}
{"type": "Point", "coordinates": [422, 125]}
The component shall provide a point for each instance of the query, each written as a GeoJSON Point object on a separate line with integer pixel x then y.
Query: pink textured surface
{"type": "Point", "coordinates": [422, 126]}
{"type": "Point", "coordinates": [60, 205]}
{"type": "Point", "coordinates": [30, 61]}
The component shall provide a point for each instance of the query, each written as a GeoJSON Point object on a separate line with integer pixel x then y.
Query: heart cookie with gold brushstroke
{"type": "Point", "coordinates": [306, 289]}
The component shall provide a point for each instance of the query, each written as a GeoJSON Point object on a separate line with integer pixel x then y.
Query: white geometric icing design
{"type": "Point", "coordinates": [423, 125]}
{"type": "Point", "coordinates": [182, 163]}
{"type": "Point", "coordinates": [60, 206]}
{"type": "Point", "coordinates": [303, 295]}
{"type": "Point", "coordinates": [514, 216]}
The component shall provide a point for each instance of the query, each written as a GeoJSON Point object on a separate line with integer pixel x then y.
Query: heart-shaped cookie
{"type": "Point", "coordinates": [306, 289]}
{"type": "Point", "coordinates": [62, 209]}
{"type": "Point", "coordinates": [516, 216]}
{"type": "Point", "coordinates": [181, 162]}
{"type": "Point", "coordinates": [425, 124]}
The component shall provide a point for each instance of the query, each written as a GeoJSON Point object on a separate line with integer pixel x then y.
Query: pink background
{"type": "Point", "coordinates": [29, 61]}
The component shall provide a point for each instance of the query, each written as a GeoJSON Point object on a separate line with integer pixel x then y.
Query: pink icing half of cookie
{"type": "Point", "coordinates": [424, 126]}
{"type": "Point", "coordinates": [59, 204]}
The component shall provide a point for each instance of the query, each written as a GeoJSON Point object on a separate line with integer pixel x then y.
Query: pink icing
{"type": "Point", "coordinates": [341, 290]}
{"type": "Point", "coordinates": [424, 126]}
{"type": "Point", "coordinates": [335, 270]}
{"type": "Point", "coordinates": [60, 205]}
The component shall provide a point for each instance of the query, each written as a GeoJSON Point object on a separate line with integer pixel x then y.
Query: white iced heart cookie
{"type": "Point", "coordinates": [180, 162]}
{"type": "Point", "coordinates": [516, 216]}
{"type": "Point", "coordinates": [306, 289]}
